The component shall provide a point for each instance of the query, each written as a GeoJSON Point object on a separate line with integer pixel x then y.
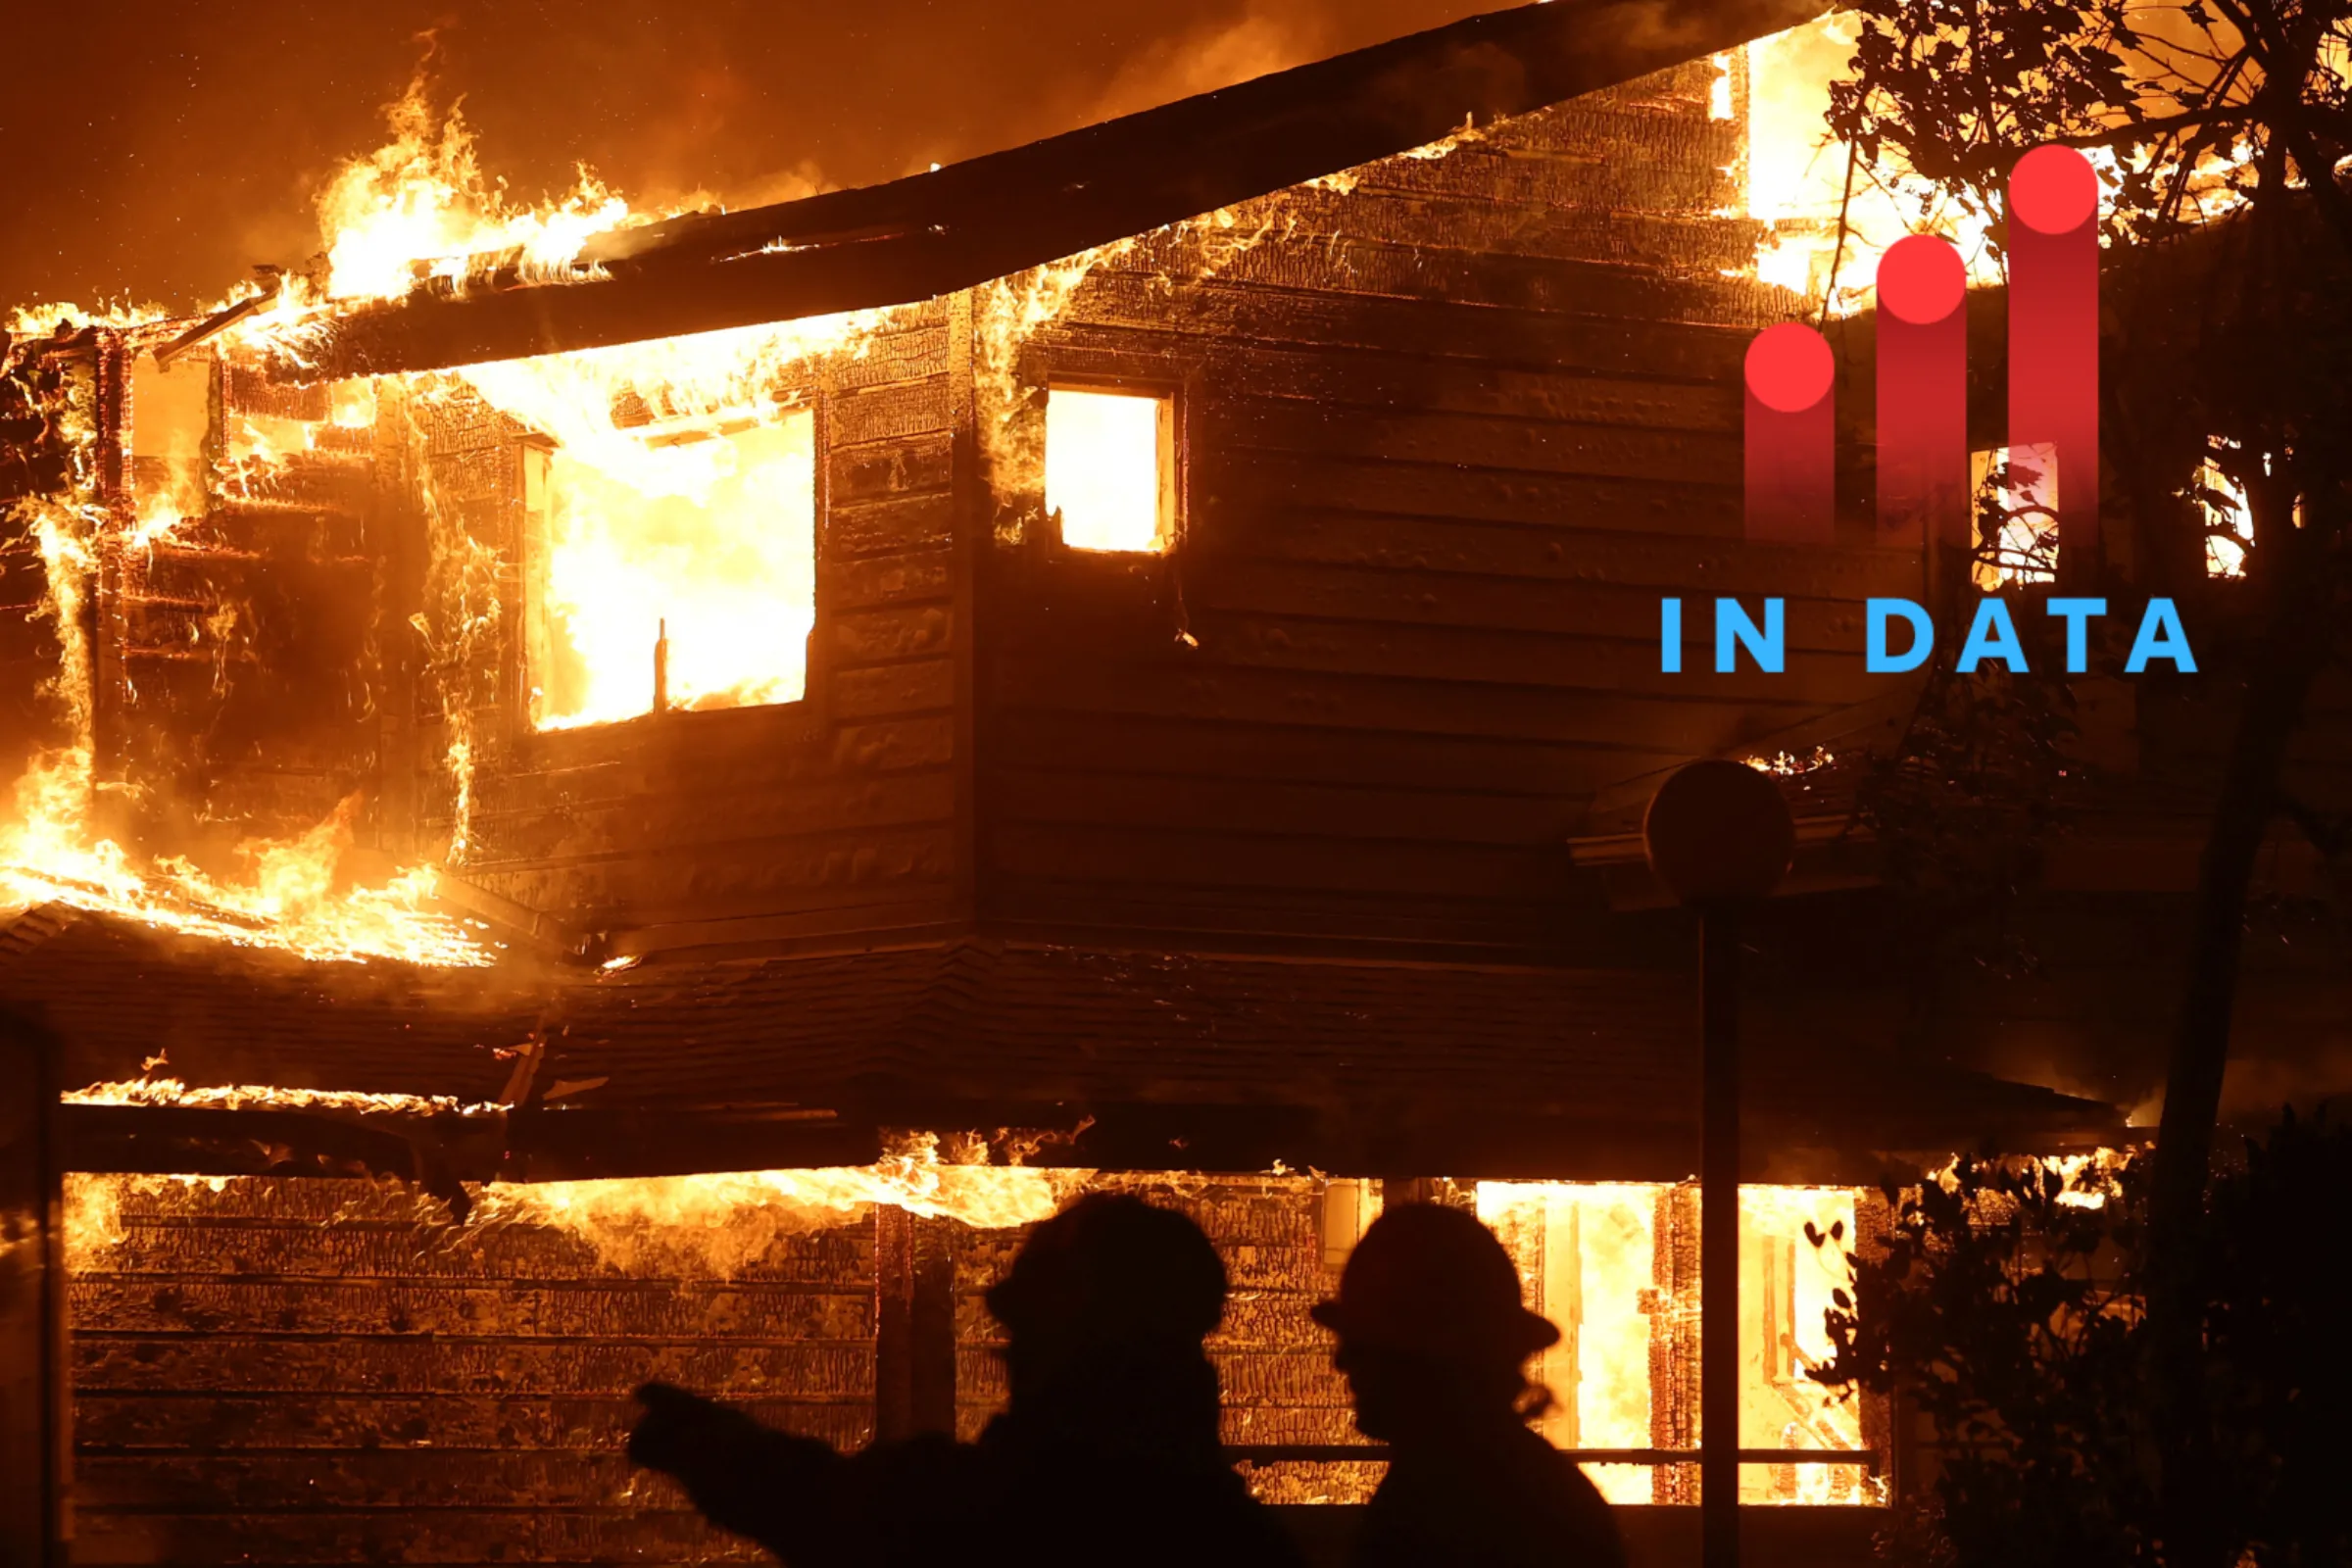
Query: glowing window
{"type": "Point", "coordinates": [1110, 469]}
{"type": "Point", "coordinates": [673, 565]}
{"type": "Point", "coordinates": [1613, 1266]}
{"type": "Point", "coordinates": [2229, 520]}
{"type": "Point", "coordinates": [2016, 507]}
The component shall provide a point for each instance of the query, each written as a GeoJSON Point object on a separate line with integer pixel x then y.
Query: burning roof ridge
{"type": "Point", "coordinates": [932, 233]}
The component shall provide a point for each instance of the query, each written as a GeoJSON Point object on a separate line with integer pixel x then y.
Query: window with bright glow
{"type": "Point", "coordinates": [2015, 502]}
{"type": "Point", "coordinates": [672, 566]}
{"type": "Point", "coordinates": [1111, 468]}
{"type": "Point", "coordinates": [2229, 520]}
{"type": "Point", "coordinates": [1614, 1267]}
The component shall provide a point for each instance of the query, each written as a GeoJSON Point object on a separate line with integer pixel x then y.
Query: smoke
{"type": "Point", "coordinates": [200, 149]}
{"type": "Point", "coordinates": [1262, 40]}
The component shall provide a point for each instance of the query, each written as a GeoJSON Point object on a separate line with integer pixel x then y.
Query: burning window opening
{"type": "Point", "coordinates": [1614, 1267]}
{"type": "Point", "coordinates": [683, 578]}
{"type": "Point", "coordinates": [2016, 491]}
{"type": "Point", "coordinates": [1111, 468]}
{"type": "Point", "coordinates": [148, 545]}
{"type": "Point", "coordinates": [2229, 520]}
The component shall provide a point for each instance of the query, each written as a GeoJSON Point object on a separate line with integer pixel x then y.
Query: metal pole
{"type": "Point", "coordinates": [1719, 1238]}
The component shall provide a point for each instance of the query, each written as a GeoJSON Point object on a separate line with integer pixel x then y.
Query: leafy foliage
{"type": "Point", "coordinates": [2007, 1311]}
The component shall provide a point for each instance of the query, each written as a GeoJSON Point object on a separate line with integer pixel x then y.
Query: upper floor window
{"type": "Point", "coordinates": [1111, 468]}
{"type": "Point", "coordinates": [674, 566]}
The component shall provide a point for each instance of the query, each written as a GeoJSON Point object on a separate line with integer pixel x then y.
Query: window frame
{"type": "Point", "coordinates": [1170, 394]}
{"type": "Point", "coordinates": [802, 719]}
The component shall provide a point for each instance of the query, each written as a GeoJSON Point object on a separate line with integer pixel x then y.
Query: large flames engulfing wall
{"type": "Point", "coordinates": [1612, 1264]}
{"type": "Point", "coordinates": [646, 468]}
{"type": "Point", "coordinates": [642, 465]}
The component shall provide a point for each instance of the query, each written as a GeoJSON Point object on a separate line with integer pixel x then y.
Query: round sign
{"type": "Point", "coordinates": [1717, 832]}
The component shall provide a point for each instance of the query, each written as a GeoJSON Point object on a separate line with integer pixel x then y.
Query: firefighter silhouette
{"type": "Point", "coordinates": [1107, 1451]}
{"type": "Point", "coordinates": [1433, 1340]}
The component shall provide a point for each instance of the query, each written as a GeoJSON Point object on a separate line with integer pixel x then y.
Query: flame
{"type": "Point", "coordinates": [724, 1223]}
{"type": "Point", "coordinates": [420, 201]}
{"type": "Point", "coordinates": [650, 460]}
{"type": "Point", "coordinates": [1788, 764]}
{"type": "Point", "coordinates": [52, 852]}
{"type": "Point", "coordinates": [1587, 1255]}
{"type": "Point", "coordinates": [693, 528]}
{"type": "Point", "coordinates": [251, 1097]}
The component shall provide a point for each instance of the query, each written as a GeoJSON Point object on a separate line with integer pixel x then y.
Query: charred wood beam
{"type": "Point", "coordinates": [444, 1150]}
{"type": "Point", "coordinates": [35, 1448]}
{"type": "Point", "coordinates": [931, 234]}
{"type": "Point", "coordinates": [218, 322]}
{"type": "Point", "coordinates": [440, 1154]}
{"type": "Point", "coordinates": [914, 1324]}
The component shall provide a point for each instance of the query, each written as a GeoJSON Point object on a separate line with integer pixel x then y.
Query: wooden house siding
{"type": "Point", "coordinates": [316, 1371]}
{"type": "Point", "coordinates": [1451, 431]}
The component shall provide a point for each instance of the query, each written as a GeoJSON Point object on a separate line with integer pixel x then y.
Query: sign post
{"type": "Point", "coordinates": [1719, 836]}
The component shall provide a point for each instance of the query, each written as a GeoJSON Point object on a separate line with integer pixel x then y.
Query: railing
{"type": "Point", "coordinates": [1377, 1452]}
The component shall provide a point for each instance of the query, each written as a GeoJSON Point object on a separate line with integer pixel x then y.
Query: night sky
{"type": "Point", "coordinates": [156, 152]}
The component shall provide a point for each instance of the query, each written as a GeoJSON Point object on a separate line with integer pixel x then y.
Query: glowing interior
{"type": "Point", "coordinates": [1625, 1372]}
{"type": "Point", "coordinates": [703, 546]}
{"type": "Point", "coordinates": [1106, 456]}
{"type": "Point", "coordinates": [2023, 482]}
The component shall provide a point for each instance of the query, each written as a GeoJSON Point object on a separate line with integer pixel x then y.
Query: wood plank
{"type": "Point", "coordinates": [1533, 444]}
{"type": "Point", "coordinates": [897, 526]}
{"type": "Point", "coordinates": [1234, 483]}
{"type": "Point", "coordinates": [1698, 568]}
{"type": "Point", "coordinates": [911, 465]}
{"type": "Point", "coordinates": [1474, 602]}
{"type": "Point", "coordinates": [1353, 375]}
{"type": "Point", "coordinates": [405, 1252]}
{"type": "Point", "coordinates": [889, 412]}
{"type": "Point", "coordinates": [1075, 853]}
{"type": "Point", "coordinates": [613, 766]}
{"type": "Point", "coordinates": [1080, 909]}
{"type": "Point", "coordinates": [1569, 665]}
{"type": "Point", "coordinates": [625, 825]}
{"type": "Point", "coordinates": [1273, 753]}
{"type": "Point", "coordinates": [1637, 345]}
{"type": "Point", "coordinates": [906, 688]}
{"type": "Point", "coordinates": [1347, 265]}
{"type": "Point", "coordinates": [453, 1535]}
{"type": "Point", "coordinates": [885, 580]}
{"type": "Point", "coordinates": [883, 635]}
{"type": "Point", "coordinates": [771, 876]}
{"type": "Point", "coordinates": [1146, 804]}
{"type": "Point", "coordinates": [1647, 725]}
{"type": "Point", "coordinates": [354, 1364]}
{"type": "Point", "coordinates": [205, 1421]}
{"type": "Point", "coordinates": [1694, 241]}
{"type": "Point", "coordinates": [116, 1307]}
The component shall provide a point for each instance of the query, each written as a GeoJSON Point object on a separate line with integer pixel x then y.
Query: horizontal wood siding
{"type": "Point", "coordinates": [1454, 425]}
{"type": "Point", "coordinates": [835, 814]}
{"type": "Point", "coordinates": [310, 1371]}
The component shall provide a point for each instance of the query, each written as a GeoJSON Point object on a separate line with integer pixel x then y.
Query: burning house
{"type": "Point", "coordinates": [635, 797]}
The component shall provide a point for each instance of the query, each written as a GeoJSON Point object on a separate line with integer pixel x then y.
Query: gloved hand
{"type": "Point", "coordinates": [687, 1436]}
